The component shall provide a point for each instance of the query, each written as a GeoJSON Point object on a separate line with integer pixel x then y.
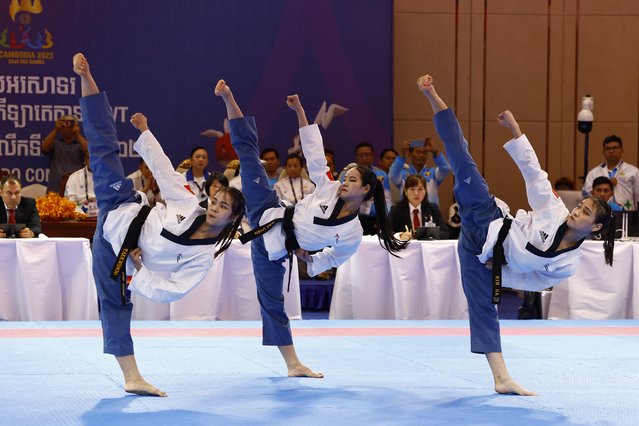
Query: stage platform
{"type": "Point", "coordinates": [377, 373]}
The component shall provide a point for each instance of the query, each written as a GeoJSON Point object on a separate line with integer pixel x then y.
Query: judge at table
{"type": "Point", "coordinates": [414, 210]}
{"type": "Point", "coordinates": [18, 209]}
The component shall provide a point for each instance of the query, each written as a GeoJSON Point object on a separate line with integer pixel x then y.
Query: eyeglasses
{"type": "Point", "coordinates": [612, 148]}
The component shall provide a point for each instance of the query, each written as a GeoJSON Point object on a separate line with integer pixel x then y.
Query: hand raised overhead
{"type": "Point", "coordinates": [293, 102]}
{"type": "Point", "coordinates": [139, 122]}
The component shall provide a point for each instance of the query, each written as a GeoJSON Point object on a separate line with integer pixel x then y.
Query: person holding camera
{"type": "Point", "coordinates": [412, 161]}
{"type": "Point", "coordinates": [66, 148]}
{"type": "Point", "coordinates": [414, 211]}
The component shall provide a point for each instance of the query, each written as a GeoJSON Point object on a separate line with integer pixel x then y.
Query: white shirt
{"type": "Point", "coordinates": [627, 188]}
{"type": "Point", "coordinates": [172, 264]}
{"type": "Point", "coordinates": [80, 186]}
{"type": "Point", "coordinates": [337, 239]}
{"type": "Point", "coordinates": [532, 232]}
{"type": "Point", "coordinates": [293, 190]}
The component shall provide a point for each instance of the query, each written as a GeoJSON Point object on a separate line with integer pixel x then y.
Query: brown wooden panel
{"type": "Point", "coordinates": [516, 66]}
{"type": "Point", "coordinates": [423, 44]}
{"type": "Point", "coordinates": [609, 7]}
{"type": "Point", "coordinates": [423, 6]}
{"type": "Point", "coordinates": [510, 7]}
{"type": "Point", "coordinates": [608, 65]}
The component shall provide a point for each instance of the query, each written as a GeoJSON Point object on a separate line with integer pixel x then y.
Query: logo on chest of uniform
{"type": "Point", "coordinates": [323, 207]}
{"type": "Point", "coordinates": [178, 257]}
{"type": "Point", "coordinates": [543, 236]}
{"type": "Point", "coordinates": [180, 218]}
{"type": "Point", "coordinates": [336, 238]}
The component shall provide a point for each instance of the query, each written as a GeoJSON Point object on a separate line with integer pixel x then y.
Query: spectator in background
{"type": "Point", "coordinates": [386, 158]}
{"type": "Point", "coordinates": [414, 210]}
{"type": "Point", "coordinates": [564, 184]}
{"type": "Point", "coordinates": [18, 209]}
{"type": "Point", "coordinates": [364, 155]}
{"type": "Point", "coordinates": [413, 161]}
{"type": "Point", "coordinates": [624, 176]}
{"type": "Point", "coordinates": [66, 148]}
{"type": "Point", "coordinates": [293, 186]}
{"type": "Point", "coordinates": [214, 182]}
{"type": "Point", "coordinates": [79, 189]}
{"type": "Point", "coordinates": [196, 175]}
{"type": "Point", "coordinates": [330, 162]}
{"type": "Point", "coordinates": [144, 182]}
{"type": "Point", "coordinates": [271, 159]}
{"type": "Point", "coordinates": [602, 189]}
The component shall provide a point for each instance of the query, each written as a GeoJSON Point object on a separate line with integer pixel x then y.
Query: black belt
{"type": "Point", "coordinates": [499, 259]}
{"type": "Point", "coordinates": [130, 242]}
{"type": "Point", "coordinates": [290, 242]}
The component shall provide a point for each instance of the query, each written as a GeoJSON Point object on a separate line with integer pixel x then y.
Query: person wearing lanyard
{"type": "Point", "coordinates": [79, 189]}
{"type": "Point", "coordinates": [197, 174]}
{"type": "Point", "coordinates": [624, 176]}
{"type": "Point", "coordinates": [294, 187]}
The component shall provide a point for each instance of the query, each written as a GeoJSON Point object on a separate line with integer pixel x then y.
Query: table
{"type": "Point", "coordinates": [46, 279]}
{"type": "Point", "coordinates": [598, 291]}
{"type": "Point", "coordinates": [69, 228]}
{"type": "Point", "coordinates": [50, 279]}
{"type": "Point", "coordinates": [426, 284]}
{"type": "Point", "coordinates": [423, 284]}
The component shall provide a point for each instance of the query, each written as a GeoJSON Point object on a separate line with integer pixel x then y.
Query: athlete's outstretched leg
{"type": "Point", "coordinates": [111, 189]}
{"type": "Point", "coordinates": [477, 209]}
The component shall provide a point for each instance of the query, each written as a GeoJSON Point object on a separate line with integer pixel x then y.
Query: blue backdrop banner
{"type": "Point", "coordinates": [163, 58]}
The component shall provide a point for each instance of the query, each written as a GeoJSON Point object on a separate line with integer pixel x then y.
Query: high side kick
{"type": "Point", "coordinates": [536, 249]}
{"type": "Point", "coordinates": [131, 236]}
{"type": "Point", "coordinates": [324, 222]}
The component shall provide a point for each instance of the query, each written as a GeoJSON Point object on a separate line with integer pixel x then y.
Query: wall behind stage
{"type": "Point", "coordinates": [163, 58]}
{"type": "Point", "coordinates": [534, 57]}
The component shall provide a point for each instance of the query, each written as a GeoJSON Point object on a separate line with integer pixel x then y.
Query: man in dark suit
{"type": "Point", "coordinates": [18, 209]}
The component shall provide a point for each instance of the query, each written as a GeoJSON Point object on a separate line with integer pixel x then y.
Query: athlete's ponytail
{"type": "Point", "coordinates": [385, 234]}
{"type": "Point", "coordinates": [607, 232]}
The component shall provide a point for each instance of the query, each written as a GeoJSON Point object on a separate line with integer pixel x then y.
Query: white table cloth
{"type": "Point", "coordinates": [598, 291]}
{"type": "Point", "coordinates": [426, 284]}
{"type": "Point", "coordinates": [51, 280]}
{"type": "Point", "coordinates": [46, 279]}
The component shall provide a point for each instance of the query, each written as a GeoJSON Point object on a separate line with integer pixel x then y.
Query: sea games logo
{"type": "Point", "coordinates": [25, 41]}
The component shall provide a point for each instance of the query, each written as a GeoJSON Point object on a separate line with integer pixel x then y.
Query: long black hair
{"type": "Point", "coordinates": [603, 215]}
{"type": "Point", "coordinates": [376, 192]}
{"type": "Point", "coordinates": [237, 208]}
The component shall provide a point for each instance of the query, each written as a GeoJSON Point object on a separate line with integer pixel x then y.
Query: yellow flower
{"type": "Point", "coordinates": [54, 207]}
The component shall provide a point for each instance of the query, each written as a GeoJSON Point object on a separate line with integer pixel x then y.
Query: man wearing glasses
{"type": "Point", "coordinates": [624, 176]}
{"type": "Point", "coordinates": [66, 148]}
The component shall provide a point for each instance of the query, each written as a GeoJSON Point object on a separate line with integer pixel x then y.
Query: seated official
{"type": "Point", "coordinates": [79, 189]}
{"type": "Point", "coordinates": [18, 209]}
{"type": "Point", "coordinates": [414, 210]}
{"type": "Point", "coordinates": [602, 188]}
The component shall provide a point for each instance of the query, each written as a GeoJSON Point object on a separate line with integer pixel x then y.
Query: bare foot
{"type": "Point", "coordinates": [80, 65]}
{"type": "Point", "coordinates": [221, 89]}
{"type": "Point", "coordinates": [140, 387]}
{"type": "Point", "coordinates": [303, 371]}
{"type": "Point", "coordinates": [509, 386]}
{"type": "Point", "coordinates": [425, 83]}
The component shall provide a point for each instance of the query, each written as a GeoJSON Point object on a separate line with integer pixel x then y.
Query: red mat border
{"type": "Point", "coordinates": [18, 333]}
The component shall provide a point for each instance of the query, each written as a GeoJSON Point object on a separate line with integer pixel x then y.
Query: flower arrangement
{"type": "Point", "coordinates": [54, 207]}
